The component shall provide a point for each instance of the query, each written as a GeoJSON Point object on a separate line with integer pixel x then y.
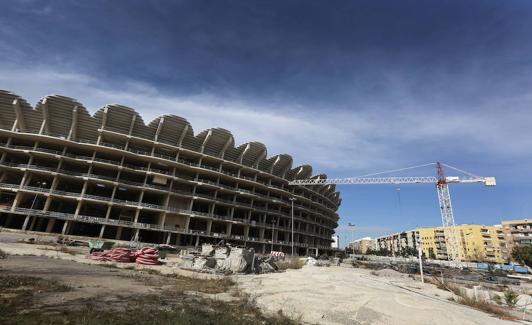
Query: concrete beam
{"type": "Point", "coordinates": [159, 127]}
{"type": "Point", "coordinates": [20, 121]}
{"type": "Point", "coordinates": [241, 157]}
{"type": "Point", "coordinates": [182, 136]}
{"type": "Point", "coordinates": [132, 125]}
{"type": "Point", "coordinates": [224, 149]}
{"type": "Point", "coordinates": [209, 134]}
{"type": "Point", "coordinates": [259, 158]}
{"type": "Point", "coordinates": [45, 125]}
{"type": "Point", "coordinates": [73, 134]}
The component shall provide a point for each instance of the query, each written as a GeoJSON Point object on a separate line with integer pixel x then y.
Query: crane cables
{"type": "Point", "coordinates": [395, 170]}
{"type": "Point", "coordinates": [417, 166]}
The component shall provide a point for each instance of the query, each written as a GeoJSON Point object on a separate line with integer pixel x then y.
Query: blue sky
{"type": "Point", "coordinates": [350, 87]}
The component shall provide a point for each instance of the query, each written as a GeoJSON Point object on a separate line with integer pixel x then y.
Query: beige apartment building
{"type": "Point", "coordinates": [361, 246]}
{"type": "Point", "coordinates": [476, 243]}
{"type": "Point", "coordinates": [110, 175]}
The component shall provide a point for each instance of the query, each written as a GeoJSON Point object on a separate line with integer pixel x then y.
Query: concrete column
{"type": "Point", "coordinates": [33, 223]}
{"type": "Point", "coordinates": [168, 238]}
{"type": "Point", "coordinates": [228, 228]}
{"type": "Point", "coordinates": [118, 233]}
{"type": "Point", "coordinates": [78, 207]}
{"type": "Point", "coordinates": [102, 231]}
{"type": "Point", "coordinates": [197, 241]}
{"type": "Point", "coordinates": [47, 203]}
{"type": "Point", "coordinates": [18, 196]}
{"type": "Point", "coordinates": [137, 213]}
{"type": "Point", "coordinates": [50, 225]}
{"type": "Point", "coordinates": [25, 178]}
{"type": "Point", "coordinates": [108, 212]}
{"type": "Point", "coordinates": [209, 226]}
{"type": "Point", "coordinates": [187, 223]}
{"type": "Point", "coordinates": [26, 220]}
{"type": "Point", "coordinates": [65, 228]}
{"type": "Point", "coordinates": [246, 232]}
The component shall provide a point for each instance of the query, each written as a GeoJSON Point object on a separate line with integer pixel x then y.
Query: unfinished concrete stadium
{"type": "Point", "coordinates": [111, 176]}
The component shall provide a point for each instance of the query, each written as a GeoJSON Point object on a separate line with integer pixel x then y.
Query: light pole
{"type": "Point", "coordinates": [352, 227]}
{"type": "Point", "coordinates": [273, 231]}
{"type": "Point", "coordinates": [292, 199]}
{"type": "Point", "coordinates": [420, 255]}
{"type": "Point", "coordinates": [41, 185]}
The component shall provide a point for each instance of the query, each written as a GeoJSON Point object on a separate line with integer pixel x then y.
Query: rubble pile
{"type": "Point", "coordinates": [315, 262]}
{"type": "Point", "coordinates": [228, 260]}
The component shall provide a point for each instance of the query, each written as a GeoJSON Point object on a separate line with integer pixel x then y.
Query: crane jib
{"type": "Point", "coordinates": [489, 181]}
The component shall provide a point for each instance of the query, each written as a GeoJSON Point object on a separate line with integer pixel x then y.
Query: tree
{"type": "Point", "coordinates": [523, 254]}
{"type": "Point", "coordinates": [370, 251]}
{"type": "Point", "coordinates": [432, 256]}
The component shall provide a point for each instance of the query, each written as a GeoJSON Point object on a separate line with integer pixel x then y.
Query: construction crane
{"type": "Point", "coordinates": [442, 187]}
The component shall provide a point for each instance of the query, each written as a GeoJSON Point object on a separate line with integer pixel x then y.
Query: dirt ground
{"type": "Point", "coordinates": [316, 295]}
{"type": "Point", "coordinates": [340, 295]}
{"type": "Point", "coordinates": [96, 285]}
{"type": "Point", "coordinates": [44, 284]}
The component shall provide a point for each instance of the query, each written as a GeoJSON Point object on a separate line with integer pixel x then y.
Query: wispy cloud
{"type": "Point", "coordinates": [335, 141]}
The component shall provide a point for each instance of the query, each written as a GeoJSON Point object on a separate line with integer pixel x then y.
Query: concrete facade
{"type": "Point", "coordinates": [518, 232]}
{"type": "Point", "coordinates": [361, 246]}
{"type": "Point", "coordinates": [112, 176]}
{"type": "Point", "coordinates": [476, 243]}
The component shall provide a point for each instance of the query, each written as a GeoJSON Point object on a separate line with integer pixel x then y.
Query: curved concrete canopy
{"type": "Point", "coordinates": [65, 117]}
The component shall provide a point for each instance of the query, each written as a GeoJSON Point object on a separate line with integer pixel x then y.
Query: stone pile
{"type": "Point", "coordinates": [228, 260]}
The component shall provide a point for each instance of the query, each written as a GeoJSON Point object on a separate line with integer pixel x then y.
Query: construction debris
{"type": "Point", "coordinates": [311, 261]}
{"type": "Point", "coordinates": [227, 259]}
{"type": "Point", "coordinates": [317, 262]}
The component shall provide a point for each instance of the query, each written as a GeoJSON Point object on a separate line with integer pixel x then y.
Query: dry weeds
{"type": "Point", "coordinates": [290, 263]}
{"type": "Point", "coordinates": [473, 302]}
{"type": "Point", "coordinates": [17, 306]}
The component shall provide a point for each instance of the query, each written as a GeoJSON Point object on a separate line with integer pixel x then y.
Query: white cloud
{"type": "Point", "coordinates": [337, 142]}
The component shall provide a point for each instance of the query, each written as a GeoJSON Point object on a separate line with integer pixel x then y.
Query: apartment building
{"type": "Point", "coordinates": [518, 232]}
{"type": "Point", "coordinates": [361, 246]}
{"type": "Point", "coordinates": [112, 176]}
{"type": "Point", "coordinates": [398, 242]}
{"type": "Point", "coordinates": [475, 243]}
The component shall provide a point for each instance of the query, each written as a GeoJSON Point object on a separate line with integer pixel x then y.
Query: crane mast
{"type": "Point", "coordinates": [447, 217]}
{"type": "Point", "coordinates": [442, 187]}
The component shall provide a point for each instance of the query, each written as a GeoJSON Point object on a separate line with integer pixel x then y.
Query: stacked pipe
{"type": "Point", "coordinates": [122, 255]}
{"type": "Point", "coordinates": [146, 256]}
